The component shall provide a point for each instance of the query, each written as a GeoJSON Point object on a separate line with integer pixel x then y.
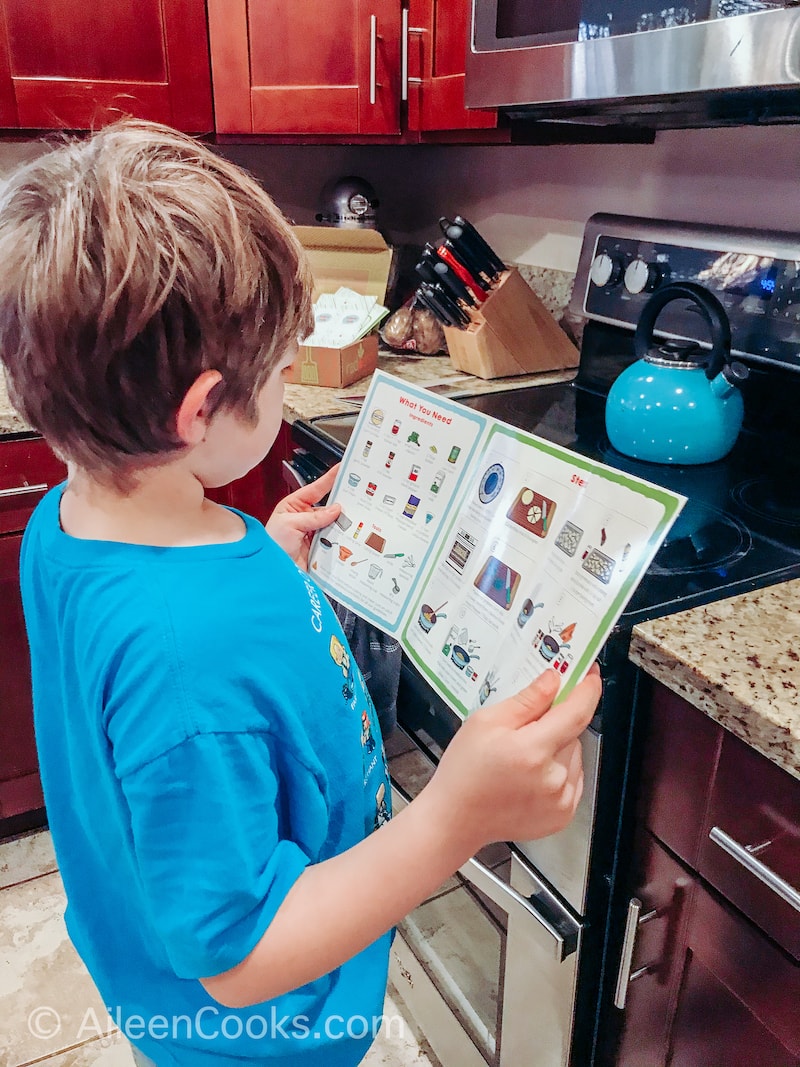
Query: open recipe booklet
{"type": "Point", "coordinates": [493, 555]}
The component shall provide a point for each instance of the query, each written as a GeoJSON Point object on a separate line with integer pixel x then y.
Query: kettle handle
{"type": "Point", "coordinates": [711, 309]}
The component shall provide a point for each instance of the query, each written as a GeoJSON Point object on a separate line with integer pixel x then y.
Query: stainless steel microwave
{"type": "Point", "coordinates": [685, 63]}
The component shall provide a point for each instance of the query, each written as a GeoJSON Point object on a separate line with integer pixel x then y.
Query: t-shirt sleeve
{"type": "Point", "coordinates": [209, 833]}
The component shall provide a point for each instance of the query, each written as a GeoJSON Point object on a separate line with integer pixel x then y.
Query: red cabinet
{"type": "Point", "coordinates": [343, 69]}
{"type": "Point", "coordinates": [436, 39]}
{"type": "Point", "coordinates": [27, 469]}
{"type": "Point", "coordinates": [312, 68]}
{"type": "Point", "coordinates": [78, 66]}
{"type": "Point", "coordinates": [712, 972]}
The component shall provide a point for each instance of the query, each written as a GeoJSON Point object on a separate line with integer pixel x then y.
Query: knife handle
{"type": "Point", "coordinates": [447, 301]}
{"type": "Point", "coordinates": [446, 253]}
{"type": "Point", "coordinates": [452, 284]}
{"type": "Point", "coordinates": [423, 297]}
{"type": "Point", "coordinates": [472, 234]}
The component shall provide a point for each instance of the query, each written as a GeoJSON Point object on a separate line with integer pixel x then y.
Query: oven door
{"type": "Point", "coordinates": [487, 965]}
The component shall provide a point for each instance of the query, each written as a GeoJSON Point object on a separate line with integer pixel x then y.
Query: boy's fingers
{"type": "Point", "coordinates": [530, 703]}
{"type": "Point", "coordinates": [565, 721]}
{"type": "Point", "coordinates": [316, 490]}
{"type": "Point", "coordinates": [316, 518]}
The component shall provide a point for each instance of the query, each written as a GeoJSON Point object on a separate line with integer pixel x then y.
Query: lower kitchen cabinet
{"type": "Point", "coordinates": [27, 470]}
{"type": "Point", "coordinates": [708, 988]}
{"type": "Point", "coordinates": [711, 977]}
{"type": "Point", "coordinates": [20, 788]}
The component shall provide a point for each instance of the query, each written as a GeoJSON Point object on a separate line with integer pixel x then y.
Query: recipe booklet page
{"type": "Point", "coordinates": [492, 554]}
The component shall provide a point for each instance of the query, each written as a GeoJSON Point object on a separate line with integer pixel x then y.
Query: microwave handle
{"type": "Point", "coordinates": [501, 894]}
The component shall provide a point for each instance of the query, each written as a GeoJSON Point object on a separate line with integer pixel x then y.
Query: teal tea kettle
{"type": "Point", "coordinates": [677, 404]}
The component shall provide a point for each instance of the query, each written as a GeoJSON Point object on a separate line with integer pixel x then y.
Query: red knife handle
{"type": "Point", "coordinates": [458, 268]}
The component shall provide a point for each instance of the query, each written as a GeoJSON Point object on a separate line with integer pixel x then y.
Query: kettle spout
{"type": "Point", "coordinates": [731, 376]}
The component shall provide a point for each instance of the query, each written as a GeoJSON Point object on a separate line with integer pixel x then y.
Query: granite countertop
{"type": "Point", "coordinates": [738, 661]}
{"type": "Point", "coordinates": [308, 401]}
{"type": "Point", "coordinates": [10, 421]}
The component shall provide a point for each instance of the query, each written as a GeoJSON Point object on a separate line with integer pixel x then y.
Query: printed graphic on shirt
{"type": "Point", "coordinates": [376, 774]}
{"type": "Point", "coordinates": [341, 657]}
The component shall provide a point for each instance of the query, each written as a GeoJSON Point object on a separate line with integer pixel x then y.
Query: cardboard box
{"type": "Point", "coordinates": [335, 366]}
{"type": "Point", "coordinates": [361, 261]}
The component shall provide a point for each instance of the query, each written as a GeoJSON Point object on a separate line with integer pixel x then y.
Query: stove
{"type": "Point", "coordinates": [740, 530]}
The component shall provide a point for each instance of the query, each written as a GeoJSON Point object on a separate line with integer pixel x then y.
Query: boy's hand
{"type": "Point", "coordinates": [293, 522]}
{"type": "Point", "coordinates": [513, 771]}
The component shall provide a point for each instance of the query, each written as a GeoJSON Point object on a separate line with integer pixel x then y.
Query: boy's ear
{"type": "Point", "coordinates": [191, 420]}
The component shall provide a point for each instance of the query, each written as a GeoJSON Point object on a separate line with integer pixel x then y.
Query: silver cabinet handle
{"type": "Point", "coordinates": [21, 490]}
{"type": "Point", "coordinates": [500, 893]}
{"type": "Point", "coordinates": [373, 57]}
{"type": "Point", "coordinates": [753, 864]}
{"type": "Point", "coordinates": [404, 78]}
{"type": "Point", "coordinates": [291, 475]}
{"type": "Point", "coordinates": [633, 921]}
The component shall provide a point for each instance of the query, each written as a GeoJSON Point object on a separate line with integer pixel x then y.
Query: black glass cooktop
{"type": "Point", "coordinates": [740, 529]}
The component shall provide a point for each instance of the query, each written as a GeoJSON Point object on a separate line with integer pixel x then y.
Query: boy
{"type": "Point", "coordinates": [200, 723]}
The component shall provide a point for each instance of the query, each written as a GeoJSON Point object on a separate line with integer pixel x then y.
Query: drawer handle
{"type": "Point", "coordinates": [21, 490]}
{"type": "Point", "coordinates": [633, 921]}
{"type": "Point", "coordinates": [754, 865]}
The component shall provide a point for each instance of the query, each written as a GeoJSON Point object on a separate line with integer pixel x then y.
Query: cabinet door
{"type": "Point", "coordinates": [738, 999]}
{"type": "Point", "coordinates": [311, 68]}
{"type": "Point", "coordinates": [78, 66]}
{"type": "Point", "coordinates": [27, 469]}
{"type": "Point", "coordinates": [665, 891]}
{"type": "Point", "coordinates": [437, 41]}
{"type": "Point", "coordinates": [20, 789]}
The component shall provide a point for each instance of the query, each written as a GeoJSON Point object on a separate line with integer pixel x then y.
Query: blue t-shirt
{"type": "Point", "coordinates": [203, 736]}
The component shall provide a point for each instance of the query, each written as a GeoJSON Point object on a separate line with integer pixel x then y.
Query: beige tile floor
{"type": "Point", "coordinates": [50, 1012]}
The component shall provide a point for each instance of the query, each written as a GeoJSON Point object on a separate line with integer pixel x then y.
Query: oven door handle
{"type": "Point", "coordinates": [563, 942]}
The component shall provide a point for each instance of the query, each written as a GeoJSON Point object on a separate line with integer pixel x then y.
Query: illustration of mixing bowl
{"type": "Point", "coordinates": [428, 617]}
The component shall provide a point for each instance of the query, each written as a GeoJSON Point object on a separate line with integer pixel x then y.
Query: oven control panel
{"type": "Point", "coordinates": [759, 291]}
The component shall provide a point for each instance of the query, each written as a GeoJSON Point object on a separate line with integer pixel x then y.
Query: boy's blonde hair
{"type": "Point", "coordinates": [131, 262]}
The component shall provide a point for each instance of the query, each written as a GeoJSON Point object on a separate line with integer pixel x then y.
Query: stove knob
{"type": "Point", "coordinates": [606, 270]}
{"type": "Point", "coordinates": [642, 277]}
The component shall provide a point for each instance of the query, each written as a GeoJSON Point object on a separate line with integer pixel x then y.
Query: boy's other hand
{"type": "Point", "coordinates": [514, 770]}
{"type": "Point", "coordinates": [295, 520]}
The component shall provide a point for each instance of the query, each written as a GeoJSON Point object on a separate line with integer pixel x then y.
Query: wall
{"type": "Point", "coordinates": [532, 202]}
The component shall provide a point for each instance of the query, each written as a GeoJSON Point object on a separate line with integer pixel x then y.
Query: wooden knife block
{"type": "Point", "coordinates": [512, 333]}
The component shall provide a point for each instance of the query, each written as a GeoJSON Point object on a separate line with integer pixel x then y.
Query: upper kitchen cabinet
{"type": "Point", "coordinates": [342, 70]}
{"type": "Point", "coordinates": [67, 65]}
{"type": "Point", "coordinates": [435, 36]}
{"type": "Point", "coordinates": [328, 67]}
